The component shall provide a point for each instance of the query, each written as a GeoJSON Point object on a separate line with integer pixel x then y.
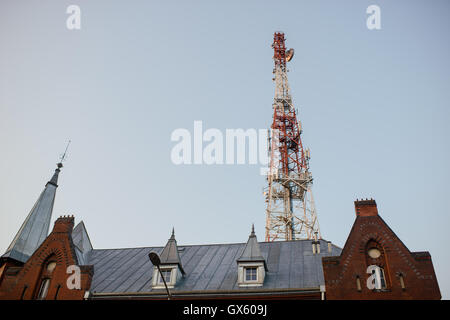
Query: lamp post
{"type": "Point", "coordinates": [154, 258]}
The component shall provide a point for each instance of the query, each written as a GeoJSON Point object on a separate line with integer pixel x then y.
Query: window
{"type": "Point", "coordinates": [57, 291]}
{"type": "Point", "coordinates": [402, 282]}
{"type": "Point", "coordinates": [358, 283]}
{"type": "Point", "coordinates": [166, 273]}
{"type": "Point", "coordinates": [23, 292]}
{"type": "Point", "coordinates": [43, 289]}
{"type": "Point", "coordinates": [380, 279]}
{"type": "Point", "coordinates": [251, 273]}
{"type": "Point", "coordinates": [374, 253]}
{"type": "Point", "coordinates": [45, 278]}
{"type": "Point", "coordinates": [376, 259]}
{"type": "Point", "coordinates": [51, 266]}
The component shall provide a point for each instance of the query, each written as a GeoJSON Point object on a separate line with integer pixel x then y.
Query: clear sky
{"type": "Point", "coordinates": [374, 107]}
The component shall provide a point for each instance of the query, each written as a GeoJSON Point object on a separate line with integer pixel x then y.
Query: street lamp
{"type": "Point", "coordinates": [154, 258]}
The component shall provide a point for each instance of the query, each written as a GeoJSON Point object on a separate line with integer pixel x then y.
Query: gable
{"type": "Point", "coordinates": [408, 275]}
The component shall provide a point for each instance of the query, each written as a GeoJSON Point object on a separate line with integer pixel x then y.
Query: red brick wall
{"type": "Point", "coordinates": [57, 247]}
{"type": "Point", "coordinates": [341, 272]}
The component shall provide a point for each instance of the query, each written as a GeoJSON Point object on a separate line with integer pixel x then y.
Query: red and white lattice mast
{"type": "Point", "coordinates": [290, 213]}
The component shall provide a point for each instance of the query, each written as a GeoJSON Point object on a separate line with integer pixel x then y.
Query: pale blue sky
{"type": "Point", "coordinates": [374, 107]}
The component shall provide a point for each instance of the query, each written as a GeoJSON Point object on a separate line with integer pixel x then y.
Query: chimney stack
{"type": "Point", "coordinates": [64, 224]}
{"type": "Point", "coordinates": [366, 208]}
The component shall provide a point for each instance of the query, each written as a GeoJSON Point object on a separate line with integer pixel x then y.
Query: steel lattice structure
{"type": "Point", "coordinates": [290, 212]}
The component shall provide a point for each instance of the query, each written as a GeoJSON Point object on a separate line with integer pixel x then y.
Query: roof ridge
{"type": "Point", "coordinates": [211, 244]}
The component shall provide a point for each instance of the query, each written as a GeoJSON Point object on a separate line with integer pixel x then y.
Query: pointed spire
{"type": "Point", "coordinates": [170, 255]}
{"type": "Point", "coordinates": [54, 179]}
{"type": "Point", "coordinates": [35, 228]}
{"type": "Point", "coordinates": [252, 251]}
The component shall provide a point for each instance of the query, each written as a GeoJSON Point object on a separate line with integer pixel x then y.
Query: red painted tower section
{"type": "Point", "coordinates": [290, 212]}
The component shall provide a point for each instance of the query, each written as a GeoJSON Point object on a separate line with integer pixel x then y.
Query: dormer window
{"type": "Point", "coordinates": [251, 273]}
{"type": "Point", "coordinates": [251, 264]}
{"type": "Point", "coordinates": [169, 264]}
{"type": "Point", "coordinates": [171, 274]}
{"type": "Point", "coordinates": [166, 274]}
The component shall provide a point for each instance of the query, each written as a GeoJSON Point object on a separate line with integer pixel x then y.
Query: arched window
{"type": "Point", "coordinates": [45, 278]}
{"type": "Point", "coordinates": [375, 256]}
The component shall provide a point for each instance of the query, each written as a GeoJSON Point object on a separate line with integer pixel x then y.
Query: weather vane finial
{"type": "Point", "coordinates": [63, 157]}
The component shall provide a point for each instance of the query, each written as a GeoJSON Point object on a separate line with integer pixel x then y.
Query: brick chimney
{"type": "Point", "coordinates": [366, 208]}
{"type": "Point", "coordinates": [64, 224]}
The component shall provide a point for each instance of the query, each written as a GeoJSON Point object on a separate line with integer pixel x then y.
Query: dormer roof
{"type": "Point", "coordinates": [252, 252]}
{"type": "Point", "coordinates": [170, 255]}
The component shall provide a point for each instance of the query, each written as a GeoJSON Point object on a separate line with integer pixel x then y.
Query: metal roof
{"type": "Point", "coordinates": [35, 228]}
{"type": "Point", "coordinates": [82, 243]}
{"type": "Point", "coordinates": [291, 265]}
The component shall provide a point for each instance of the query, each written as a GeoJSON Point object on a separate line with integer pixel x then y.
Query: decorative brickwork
{"type": "Point", "coordinates": [407, 275]}
{"type": "Point", "coordinates": [25, 281]}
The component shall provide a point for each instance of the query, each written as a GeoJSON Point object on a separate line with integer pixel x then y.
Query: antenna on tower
{"type": "Point", "coordinates": [63, 157]}
{"type": "Point", "coordinates": [290, 212]}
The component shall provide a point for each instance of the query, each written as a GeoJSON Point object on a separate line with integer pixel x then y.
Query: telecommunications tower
{"type": "Point", "coordinates": [290, 213]}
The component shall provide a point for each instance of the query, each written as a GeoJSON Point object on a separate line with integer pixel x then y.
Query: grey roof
{"type": "Point", "coordinates": [169, 254]}
{"type": "Point", "coordinates": [291, 265]}
{"type": "Point", "coordinates": [82, 243]}
{"type": "Point", "coordinates": [251, 251]}
{"type": "Point", "coordinates": [35, 228]}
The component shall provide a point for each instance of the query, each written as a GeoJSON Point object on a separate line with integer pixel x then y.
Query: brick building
{"type": "Point", "coordinates": [403, 274]}
{"type": "Point", "coordinates": [374, 264]}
